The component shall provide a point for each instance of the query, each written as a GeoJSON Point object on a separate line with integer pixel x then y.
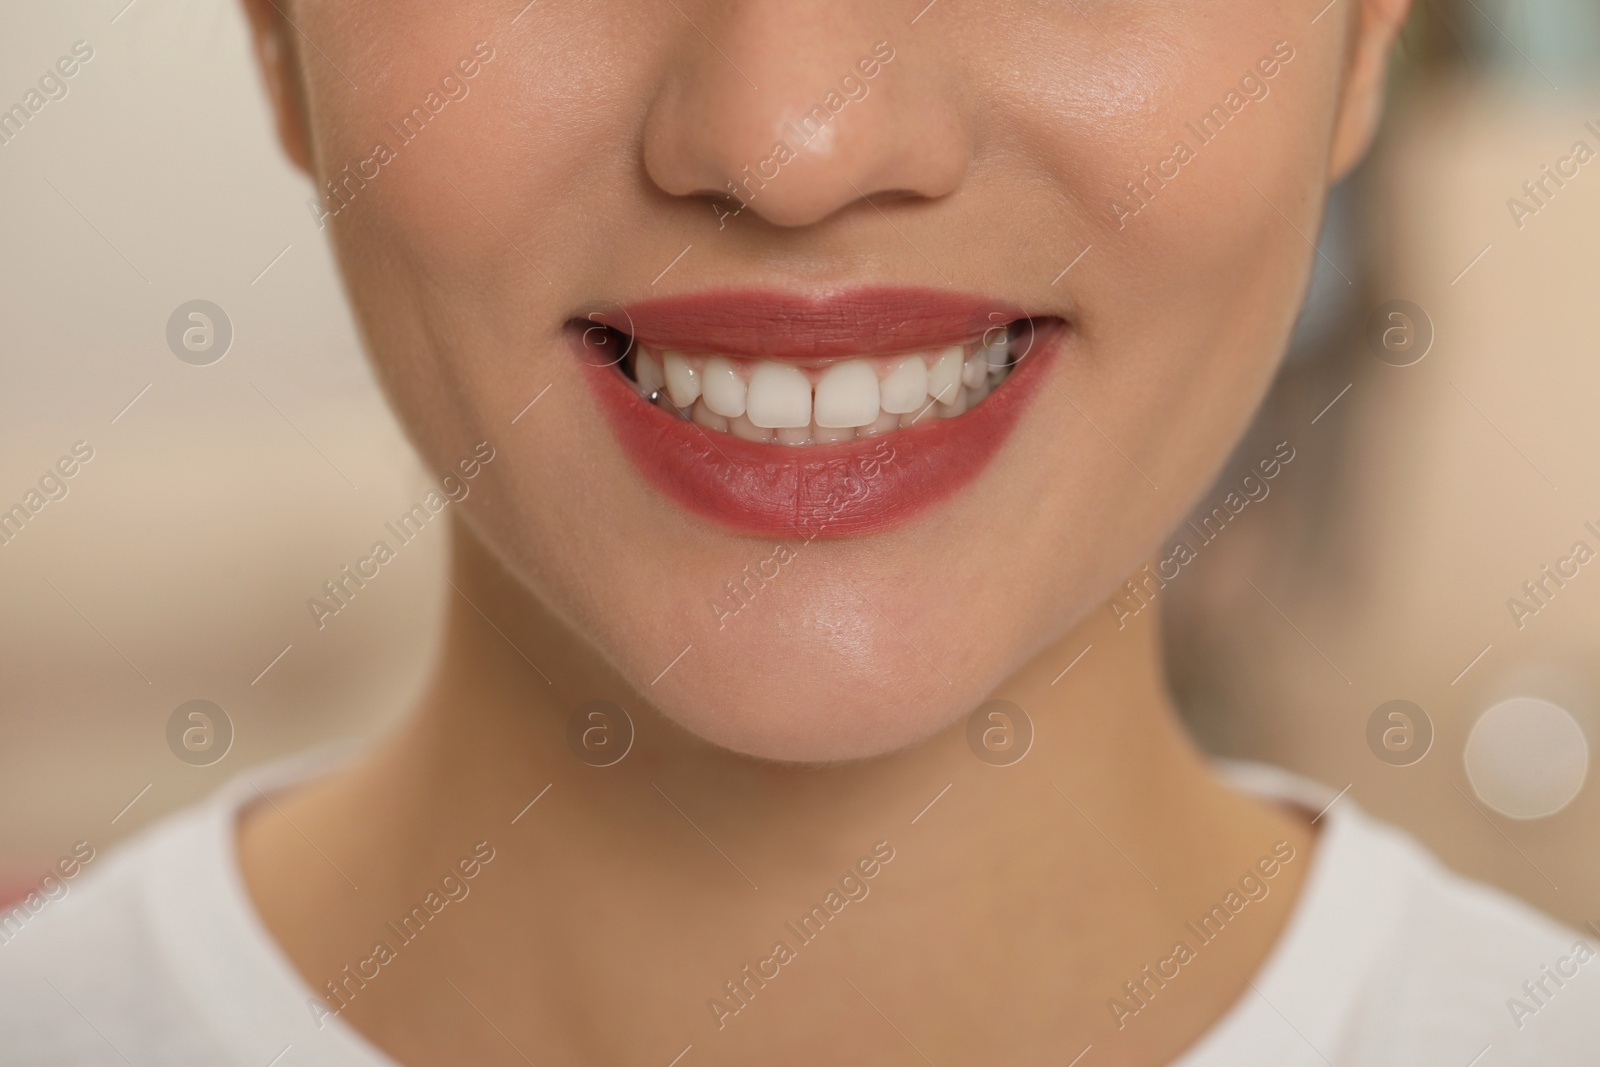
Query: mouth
{"type": "Point", "coordinates": [809, 417]}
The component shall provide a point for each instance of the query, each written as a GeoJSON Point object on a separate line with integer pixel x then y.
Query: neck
{"type": "Point", "coordinates": [682, 863]}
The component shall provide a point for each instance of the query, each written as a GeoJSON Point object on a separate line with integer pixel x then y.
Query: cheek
{"type": "Point", "coordinates": [466, 252]}
{"type": "Point", "coordinates": [508, 170]}
{"type": "Point", "coordinates": [1213, 256]}
{"type": "Point", "coordinates": [1213, 244]}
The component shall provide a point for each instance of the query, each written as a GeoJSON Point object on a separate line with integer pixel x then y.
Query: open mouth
{"type": "Point", "coordinates": [779, 402]}
{"type": "Point", "coordinates": [808, 417]}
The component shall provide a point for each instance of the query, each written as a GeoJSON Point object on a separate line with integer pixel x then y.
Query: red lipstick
{"type": "Point", "coordinates": [850, 488]}
{"type": "Point", "coordinates": [786, 326]}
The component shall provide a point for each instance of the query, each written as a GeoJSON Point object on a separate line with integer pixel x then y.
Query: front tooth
{"type": "Point", "coordinates": [780, 396]}
{"type": "Point", "coordinates": [648, 373]}
{"type": "Point", "coordinates": [824, 435]}
{"type": "Point", "coordinates": [723, 389]}
{"type": "Point", "coordinates": [847, 395]}
{"type": "Point", "coordinates": [945, 376]}
{"type": "Point", "coordinates": [906, 387]}
{"type": "Point", "coordinates": [683, 381]}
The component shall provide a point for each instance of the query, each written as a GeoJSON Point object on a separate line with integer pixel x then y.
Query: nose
{"type": "Point", "coordinates": [798, 109]}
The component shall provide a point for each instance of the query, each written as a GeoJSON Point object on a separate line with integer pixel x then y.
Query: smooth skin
{"type": "Point", "coordinates": [825, 716]}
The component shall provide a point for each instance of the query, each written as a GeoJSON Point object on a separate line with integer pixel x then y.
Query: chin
{"type": "Point", "coordinates": [856, 656]}
{"type": "Point", "coordinates": [809, 711]}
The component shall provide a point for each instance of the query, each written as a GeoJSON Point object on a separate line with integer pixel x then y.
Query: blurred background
{"type": "Point", "coordinates": [1355, 624]}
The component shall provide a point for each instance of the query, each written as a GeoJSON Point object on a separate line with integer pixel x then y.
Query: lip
{"type": "Point", "coordinates": [774, 325]}
{"type": "Point", "coordinates": [845, 489]}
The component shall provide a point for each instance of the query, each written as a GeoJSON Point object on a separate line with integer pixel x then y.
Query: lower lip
{"type": "Point", "coordinates": [847, 489]}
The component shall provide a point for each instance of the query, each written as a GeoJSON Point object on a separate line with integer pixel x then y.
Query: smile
{"type": "Point", "coordinates": [767, 401]}
{"type": "Point", "coordinates": [788, 416]}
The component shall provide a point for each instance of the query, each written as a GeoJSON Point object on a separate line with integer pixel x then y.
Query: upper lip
{"type": "Point", "coordinates": [778, 325]}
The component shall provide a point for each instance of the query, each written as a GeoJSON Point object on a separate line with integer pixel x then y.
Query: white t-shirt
{"type": "Point", "coordinates": [156, 958]}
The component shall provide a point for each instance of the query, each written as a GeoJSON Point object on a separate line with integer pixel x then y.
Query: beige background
{"type": "Point", "coordinates": [179, 565]}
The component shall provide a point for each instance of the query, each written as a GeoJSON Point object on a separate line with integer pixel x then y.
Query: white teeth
{"type": "Point", "coordinates": [794, 435]}
{"type": "Point", "coordinates": [780, 396]}
{"type": "Point", "coordinates": [683, 381]}
{"type": "Point", "coordinates": [995, 351]}
{"type": "Point", "coordinates": [767, 401]}
{"type": "Point", "coordinates": [974, 371]}
{"type": "Point", "coordinates": [648, 372]}
{"type": "Point", "coordinates": [827, 435]}
{"type": "Point", "coordinates": [722, 388]}
{"type": "Point", "coordinates": [906, 387]}
{"type": "Point", "coordinates": [955, 407]}
{"type": "Point", "coordinates": [886, 421]}
{"type": "Point", "coordinates": [945, 377]}
{"type": "Point", "coordinates": [743, 427]}
{"type": "Point", "coordinates": [704, 416]}
{"type": "Point", "coordinates": [847, 395]}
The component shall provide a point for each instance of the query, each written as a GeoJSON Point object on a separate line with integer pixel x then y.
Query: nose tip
{"type": "Point", "coordinates": [795, 134]}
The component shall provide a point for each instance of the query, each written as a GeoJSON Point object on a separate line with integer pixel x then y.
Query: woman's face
{"type": "Point", "coordinates": [995, 287]}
